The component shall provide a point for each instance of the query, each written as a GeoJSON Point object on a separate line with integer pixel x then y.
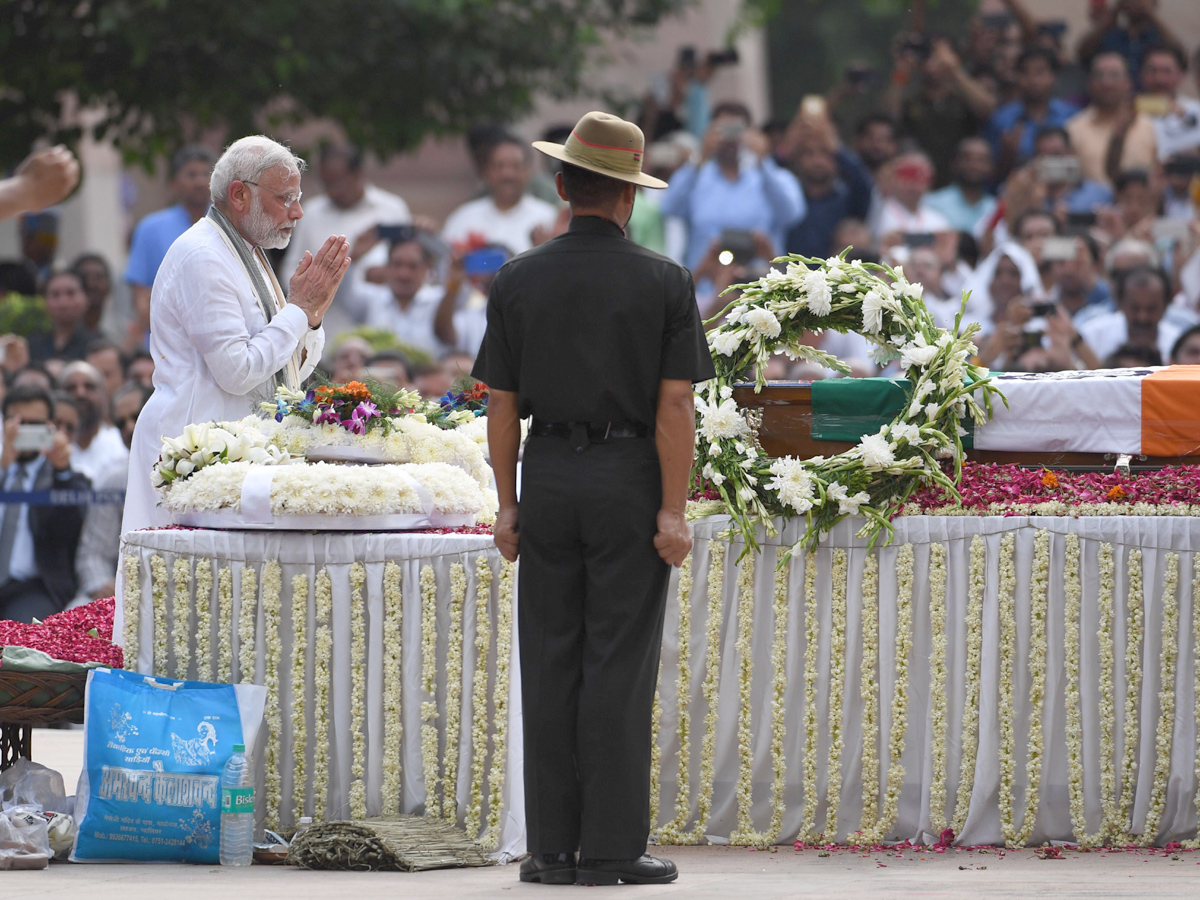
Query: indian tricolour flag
{"type": "Point", "coordinates": [1150, 412]}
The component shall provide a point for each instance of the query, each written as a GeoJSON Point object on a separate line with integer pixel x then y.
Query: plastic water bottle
{"type": "Point", "coordinates": [237, 810]}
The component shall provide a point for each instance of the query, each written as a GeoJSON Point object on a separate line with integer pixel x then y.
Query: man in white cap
{"type": "Point", "coordinates": [221, 334]}
{"type": "Point", "coordinates": [600, 341]}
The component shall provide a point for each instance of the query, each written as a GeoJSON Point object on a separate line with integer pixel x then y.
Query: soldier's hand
{"type": "Point", "coordinates": [674, 539]}
{"type": "Point", "coordinates": [505, 534]}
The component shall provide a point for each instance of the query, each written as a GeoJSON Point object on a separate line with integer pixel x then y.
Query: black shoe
{"type": "Point", "coordinates": [549, 868]}
{"type": "Point", "coordinates": [646, 869]}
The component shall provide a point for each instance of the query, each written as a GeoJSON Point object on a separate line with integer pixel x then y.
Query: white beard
{"type": "Point", "coordinates": [262, 230]}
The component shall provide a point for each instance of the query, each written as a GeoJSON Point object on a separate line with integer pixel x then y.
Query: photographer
{"type": "Point", "coordinates": [37, 543]}
{"type": "Point", "coordinates": [736, 185]}
{"type": "Point", "coordinates": [935, 100]}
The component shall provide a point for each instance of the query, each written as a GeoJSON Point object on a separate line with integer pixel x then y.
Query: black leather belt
{"type": "Point", "coordinates": [596, 432]}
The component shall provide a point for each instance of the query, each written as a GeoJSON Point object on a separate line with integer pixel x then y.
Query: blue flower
{"type": "Point", "coordinates": [281, 410]}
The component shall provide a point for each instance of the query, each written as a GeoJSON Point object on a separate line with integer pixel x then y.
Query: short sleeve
{"type": "Point", "coordinates": [496, 365]}
{"type": "Point", "coordinates": [685, 354]}
{"type": "Point", "coordinates": [143, 265]}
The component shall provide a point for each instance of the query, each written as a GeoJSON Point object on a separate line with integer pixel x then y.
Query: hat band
{"type": "Point", "coordinates": [626, 160]}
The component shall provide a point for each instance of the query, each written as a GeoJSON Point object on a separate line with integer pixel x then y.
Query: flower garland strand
{"type": "Point", "coordinates": [710, 687]}
{"type": "Point", "coordinates": [247, 623]}
{"type": "Point", "coordinates": [937, 686]}
{"type": "Point", "coordinates": [1072, 651]}
{"type": "Point", "coordinates": [225, 625]}
{"type": "Point", "coordinates": [322, 659]}
{"type": "Point", "coordinates": [454, 675]}
{"type": "Point", "coordinates": [1169, 654]}
{"type": "Point", "coordinates": [504, 620]}
{"type": "Point", "coordinates": [970, 716]}
{"type": "Point", "coordinates": [181, 602]}
{"type": "Point", "coordinates": [272, 587]}
{"type": "Point", "coordinates": [158, 594]}
{"type": "Point", "coordinates": [779, 648]}
{"type": "Point", "coordinates": [204, 583]}
{"type": "Point", "coordinates": [743, 833]}
{"type": "Point", "coordinates": [656, 712]}
{"type": "Point", "coordinates": [1108, 746]}
{"type": "Point", "coordinates": [1134, 632]}
{"type": "Point", "coordinates": [479, 692]}
{"type": "Point", "coordinates": [298, 685]}
{"type": "Point", "coordinates": [868, 692]}
{"type": "Point", "coordinates": [672, 832]}
{"type": "Point", "coordinates": [1039, 588]}
{"type": "Point", "coordinates": [358, 688]}
{"type": "Point", "coordinates": [1008, 661]}
{"type": "Point", "coordinates": [808, 824]}
{"type": "Point", "coordinates": [429, 712]}
{"type": "Point", "coordinates": [133, 602]}
{"type": "Point", "coordinates": [393, 687]}
{"type": "Point", "coordinates": [837, 683]}
{"type": "Point", "coordinates": [904, 637]}
{"type": "Point", "coordinates": [1194, 844]}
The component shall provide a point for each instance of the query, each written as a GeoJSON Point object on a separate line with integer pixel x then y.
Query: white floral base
{"type": "Point", "coordinates": [233, 520]}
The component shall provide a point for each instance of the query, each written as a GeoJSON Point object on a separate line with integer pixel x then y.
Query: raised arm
{"type": "Point", "coordinates": [43, 179]}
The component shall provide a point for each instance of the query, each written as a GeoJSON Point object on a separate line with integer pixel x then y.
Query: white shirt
{"type": "Point", "coordinates": [1108, 332]}
{"type": "Point", "coordinates": [896, 217]}
{"type": "Point", "coordinates": [322, 218]}
{"type": "Point", "coordinates": [377, 307]}
{"type": "Point", "coordinates": [106, 449]}
{"type": "Point", "coordinates": [1178, 131]}
{"type": "Point", "coordinates": [22, 565]}
{"type": "Point", "coordinates": [511, 228]}
{"type": "Point", "coordinates": [469, 327]}
{"type": "Point", "coordinates": [215, 356]}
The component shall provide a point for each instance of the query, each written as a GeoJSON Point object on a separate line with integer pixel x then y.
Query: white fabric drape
{"type": "Point", "coordinates": [1154, 536]}
{"type": "Point", "coordinates": [307, 553]}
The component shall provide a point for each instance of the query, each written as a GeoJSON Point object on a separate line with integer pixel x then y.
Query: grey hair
{"type": "Point", "coordinates": [1132, 247]}
{"type": "Point", "coordinates": [246, 159]}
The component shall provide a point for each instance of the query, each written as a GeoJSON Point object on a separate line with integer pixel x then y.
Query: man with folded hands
{"type": "Point", "coordinates": [221, 333]}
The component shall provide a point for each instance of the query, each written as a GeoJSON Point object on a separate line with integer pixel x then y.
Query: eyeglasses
{"type": "Point", "coordinates": [286, 199]}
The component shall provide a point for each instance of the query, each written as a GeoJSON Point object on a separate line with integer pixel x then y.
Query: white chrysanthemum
{"type": "Point", "coordinates": [872, 312]}
{"type": "Point", "coordinates": [793, 483]}
{"type": "Point", "coordinates": [722, 420]}
{"type": "Point", "coordinates": [848, 504]}
{"type": "Point", "coordinates": [726, 343]}
{"type": "Point", "coordinates": [917, 352]}
{"type": "Point", "coordinates": [818, 293]}
{"type": "Point", "coordinates": [876, 452]}
{"type": "Point", "coordinates": [763, 321]}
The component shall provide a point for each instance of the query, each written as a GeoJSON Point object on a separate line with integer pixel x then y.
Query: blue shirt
{"type": "Point", "coordinates": [961, 215]}
{"type": "Point", "coordinates": [764, 198]}
{"type": "Point", "coordinates": [1087, 196]}
{"type": "Point", "coordinates": [851, 197]}
{"type": "Point", "coordinates": [152, 239]}
{"type": "Point", "coordinates": [1007, 117]}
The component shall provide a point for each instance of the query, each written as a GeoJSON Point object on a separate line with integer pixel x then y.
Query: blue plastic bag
{"type": "Point", "coordinates": [154, 749]}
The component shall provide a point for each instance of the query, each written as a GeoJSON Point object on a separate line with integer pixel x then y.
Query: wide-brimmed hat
{"type": "Point", "coordinates": [607, 145]}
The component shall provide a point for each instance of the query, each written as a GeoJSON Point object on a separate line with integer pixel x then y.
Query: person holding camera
{"type": "Point", "coordinates": [1015, 126]}
{"type": "Point", "coordinates": [736, 185]}
{"type": "Point", "coordinates": [37, 542]}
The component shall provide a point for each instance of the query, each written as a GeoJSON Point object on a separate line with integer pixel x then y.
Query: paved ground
{"type": "Point", "coordinates": [707, 872]}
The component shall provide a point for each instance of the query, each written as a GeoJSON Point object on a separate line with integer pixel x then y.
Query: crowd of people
{"type": "Point", "coordinates": [1057, 183]}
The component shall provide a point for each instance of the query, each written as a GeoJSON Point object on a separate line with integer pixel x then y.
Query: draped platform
{"type": "Point", "coordinates": [1041, 655]}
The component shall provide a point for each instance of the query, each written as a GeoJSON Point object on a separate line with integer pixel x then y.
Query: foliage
{"type": "Point", "coordinates": [876, 477]}
{"type": "Point", "coordinates": [23, 315]}
{"type": "Point", "coordinates": [389, 71]}
{"type": "Point", "coordinates": [381, 339]}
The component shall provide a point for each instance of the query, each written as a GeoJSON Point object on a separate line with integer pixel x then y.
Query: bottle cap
{"type": "Point", "coordinates": [239, 748]}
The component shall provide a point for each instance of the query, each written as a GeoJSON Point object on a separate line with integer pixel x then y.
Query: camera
{"type": "Point", "coordinates": [738, 244]}
{"type": "Point", "coordinates": [396, 234]}
{"type": "Point", "coordinates": [723, 57]}
{"type": "Point", "coordinates": [1059, 170]}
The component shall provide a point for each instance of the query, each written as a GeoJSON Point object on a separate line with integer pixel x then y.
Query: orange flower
{"type": "Point", "coordinates": [1116, 492]}
{"type": "Point", "coordinates": [1049, 479]}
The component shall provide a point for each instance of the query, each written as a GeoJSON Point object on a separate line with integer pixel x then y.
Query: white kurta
{"type": "Point", "coordinates": [215, 356]}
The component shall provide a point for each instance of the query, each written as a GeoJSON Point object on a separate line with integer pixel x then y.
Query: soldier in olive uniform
{"type": "Point", "coordinates": [600, 341]}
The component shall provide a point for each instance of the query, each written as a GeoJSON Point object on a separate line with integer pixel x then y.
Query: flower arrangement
{"type": "Point", "coordinates": [353, 406]}
{"type": "Point", "coordinates": [876, 477]}
{"type": "Point", "coordinates": [81, 635]}
{"type": "Point", "coordinates": [466, 401]}
{"type": "Point", "coordinates": [202, 445]}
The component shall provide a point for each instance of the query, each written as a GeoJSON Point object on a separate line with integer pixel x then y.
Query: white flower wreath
{"type": "Point", "coordinates": [874, 478]}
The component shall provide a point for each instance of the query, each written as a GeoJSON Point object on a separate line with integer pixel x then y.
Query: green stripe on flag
{"type": "Point", "coordinates": [846, 409]}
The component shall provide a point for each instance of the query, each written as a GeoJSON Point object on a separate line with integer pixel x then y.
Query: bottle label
{"type": "Point", "coordinates": [237, 800]}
